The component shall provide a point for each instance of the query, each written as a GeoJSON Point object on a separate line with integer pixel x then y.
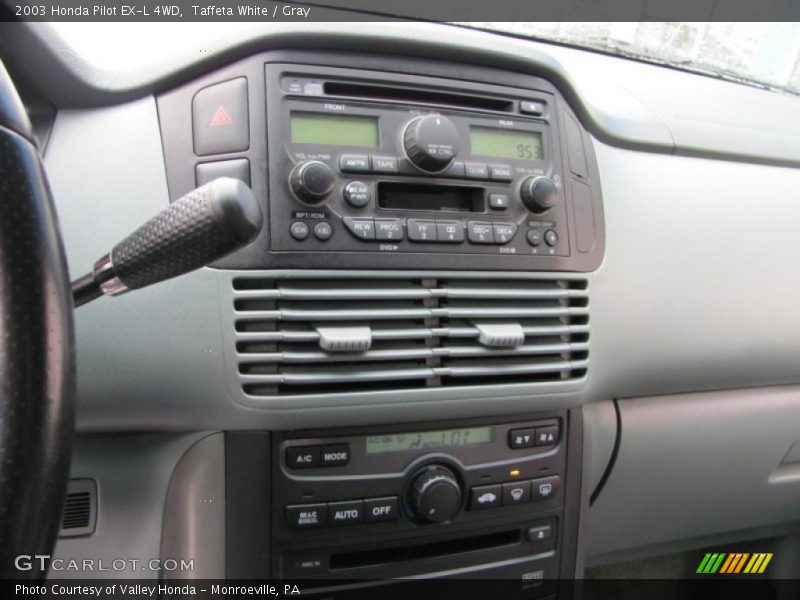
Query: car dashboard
{"type": "Point", "coordinates": [517, 309]}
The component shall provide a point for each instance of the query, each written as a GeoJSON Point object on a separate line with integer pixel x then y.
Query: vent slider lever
{"type": "Point", "coordinates": [345, 339]}
{"type": "Point", "coordinates": [503, 335]}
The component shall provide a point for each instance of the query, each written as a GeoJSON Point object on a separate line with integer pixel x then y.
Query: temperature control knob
{"type": "Point", "coordinates": [435, 494]}
{"type": "Point", "coordinates": [538, 194]}
{"type": "Point", "coordinates": [431, 142]}
{"type": "Point", "coordinates": [312, 182]}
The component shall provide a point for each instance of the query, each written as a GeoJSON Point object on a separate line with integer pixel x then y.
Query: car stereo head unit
{"type": "Point", "coordinates": [378, 169]}
{"type": "Point", "coordinates": [362, 168]}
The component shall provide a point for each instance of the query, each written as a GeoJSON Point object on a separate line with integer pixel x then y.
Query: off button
{"type": "Point", "coordinates": [377, 510]}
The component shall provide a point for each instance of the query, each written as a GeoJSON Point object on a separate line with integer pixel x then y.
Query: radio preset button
{"type": "Point", "coordinates": [545, 488]}
{"type": "Point", "coordinates": [334, 456]}
{"type": "Point", "coordinates": [363, 229]}
{"type": "Point", "coordinates": [480, 232]}
{"type": "Point", "coordinates": [299, 230]}
{"type": "Point", "coordinates": [377, 510]}
{"type": "Point", "coordinates": [357, 194]}
{"type": "Point", "coordinates": [388, 229]}
{"type": "Point", "coordinates": [354, 163]}
{"type": "Point", "coordinates": [349, 512]}
{"type": "Point", "coordinates": [504, 232]}
{"type": "Point", "coordinates": [323, 231]}
{"type": "Point", "coordinates": [550, 237]}
{"type": "Point", "coordinates": [384, 164]}
{"type": "Point", "coordinates": [484, 496]}
{"type": "Point", "coordinates": [498, 201]}
{"type": "Point", "coordinates": [307, 516]}
{"type": "Point", "coordinates": [516, 492]}
{"type": "Point", "coordinates": [421, 231]}
{"type": "Point", "coordinates": [450, 232]}
{"type": "Point", "coordinates": [500, 173]}
{"type": "Point", "coordinates": [302, 457]}
{"type": "Point", "coordinates": [476, 171]}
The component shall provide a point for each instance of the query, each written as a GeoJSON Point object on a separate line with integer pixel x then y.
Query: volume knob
{"type": "Point", "coordinates": [538, 194]}
{"type": "Point", "coordinates": [431, 142]}
{"type": "Point", "coordinates": [312, 182]}
{"type": "Point", "coordinates": [435, 494]}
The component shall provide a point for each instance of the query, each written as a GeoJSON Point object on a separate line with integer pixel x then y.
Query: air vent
{"type": "Point", "coordinates": [80, 508]}
{"type": "Point", "coordinates": [318, 336]}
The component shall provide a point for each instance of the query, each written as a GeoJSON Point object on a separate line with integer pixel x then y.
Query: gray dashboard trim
{"type": "Point", "coordinates": [132, 472]}
{"type": "Point", "coordinates": [697, 465]}
{"type": "Point", "coordinates": [621, 102]}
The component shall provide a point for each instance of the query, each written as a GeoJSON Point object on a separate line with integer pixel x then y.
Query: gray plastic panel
{"type": "Point", "coordinates": [697, 465]}
{"type": "Point", "coordinates": [132, 473]}
{"type": "Point", "coordinates": [197, 496]}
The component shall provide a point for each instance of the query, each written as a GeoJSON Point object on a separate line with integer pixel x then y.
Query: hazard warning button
{"type": "Point", "coordinates": [220, 121]}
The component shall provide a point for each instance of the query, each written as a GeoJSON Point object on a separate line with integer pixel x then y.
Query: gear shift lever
{"type": "Point", "coordinates": [202, 226]}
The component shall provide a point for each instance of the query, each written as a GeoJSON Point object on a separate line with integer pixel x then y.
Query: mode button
{"type": "Point", "coordinates": [334, 456]}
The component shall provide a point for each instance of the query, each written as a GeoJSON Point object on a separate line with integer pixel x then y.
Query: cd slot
{"type": "Point", "coordinates": [425, 197]}
{"type": "Point", "coordinates": [374, 557]}
{"type": "Point", "coordinates": [400, 94]}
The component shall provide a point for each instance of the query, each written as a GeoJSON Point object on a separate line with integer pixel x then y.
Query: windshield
{"type": "Point", "coordinates": [767, 54]}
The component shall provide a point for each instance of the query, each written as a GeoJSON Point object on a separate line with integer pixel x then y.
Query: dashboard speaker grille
{"type": "Point", "coordinates": [317, 336]}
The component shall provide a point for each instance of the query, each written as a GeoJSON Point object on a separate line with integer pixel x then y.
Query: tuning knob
{"type": "Point", "coordinates": [312, 182]}
{"type": "Point", "coordinates": [538, 194]}
{"type": "Point", "coordinates": [435, 494]}
{"type": "Point", "coordinates": [431, 142]}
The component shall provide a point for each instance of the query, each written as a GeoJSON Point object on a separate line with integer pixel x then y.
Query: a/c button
{"type": "Point", "coordinates": [302, 457]}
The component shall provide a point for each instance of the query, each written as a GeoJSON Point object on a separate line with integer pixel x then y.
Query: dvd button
{"type": "Point", "coordinates": [451, 232]}
{"type": "Point", "coordinates": [504, 232]}
{"type": "Point", "coordinates": [388, 229]}
{"type": "Point", "coordinates": [384, 164]}
{"type": "Point", "coordinates": [480, 232]}
{"type": "Point", "coordinates": [354, 163]}
{"type": "Point", "coordinates": [500, 173]}
{"type": "Point", "coordinates": [363, 229]}
{"type": "Point", "coordinates": [476, 171]}
{"type": "Point", "coordinates": [421, 231]}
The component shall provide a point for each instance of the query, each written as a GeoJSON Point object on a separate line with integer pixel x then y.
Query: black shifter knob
{"type": "Point", "coordinates": [200, 227]}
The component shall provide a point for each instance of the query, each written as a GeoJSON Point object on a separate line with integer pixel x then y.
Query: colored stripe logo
{"type": "Point", "coordinates": [734, 563]}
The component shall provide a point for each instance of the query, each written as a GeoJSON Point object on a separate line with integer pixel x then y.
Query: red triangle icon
{"type": "Point", "coordinates": [221, 117]}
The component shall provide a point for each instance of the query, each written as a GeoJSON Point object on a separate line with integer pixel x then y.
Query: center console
{"type": "Point", "coordinates": [428, 228]}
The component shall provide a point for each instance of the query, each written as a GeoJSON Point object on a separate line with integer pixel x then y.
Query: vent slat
{"type": "Point", "coordinates": [408, 353]}
{"type": "Point", "coordinates": [418, 332]}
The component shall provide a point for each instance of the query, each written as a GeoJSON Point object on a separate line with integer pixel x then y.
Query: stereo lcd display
{"type": "Point", "coordinates": [505, 143]}
{"type": "Point", "coordinates": [333, 130]}
{"type": "Point", "coordinates": [428, 440]}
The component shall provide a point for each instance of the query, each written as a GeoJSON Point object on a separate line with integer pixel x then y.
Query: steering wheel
{"type": "Point", "coordinates": [37, 381]}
